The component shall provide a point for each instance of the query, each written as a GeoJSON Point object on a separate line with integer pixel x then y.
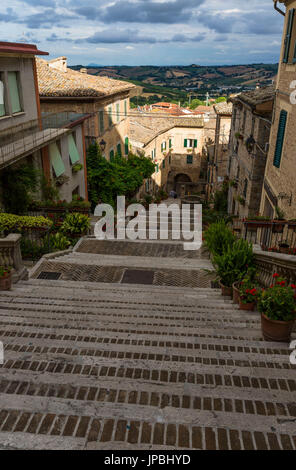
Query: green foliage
{"type": "Point", "coordinates": [221, 199]}
{"type": "Point", "coordinates": [4, 271]}
{"type": "Point", "coordinates": [249, 287]}
{"type": "Point", "coordinates": [32, 250]}
{"type": "Point", "coordinates": [49, 190]}
{"type": "Point", "coordinates": [232, 265]}
{"type": "Point", "coordinates": [221, 99]}
{"type": "Point", "coordinates": [218, 238]}
{"type": "Point", "coordinates": [11, 223]}
{"type": "Point", "coordinates": [121, 177]}
{"type": "Point", "coordinates": [19, 184]}
{"type": "Point", "coordinates": [75, 224]}
{"type": "Point", "coordinates": [77, 167]}
{"type": "Point", "coordinates": [195, 103]}
{"type": "Point", "coordinates": [59, 242]}
{"type": "Point", "coordinates": [278, 301]}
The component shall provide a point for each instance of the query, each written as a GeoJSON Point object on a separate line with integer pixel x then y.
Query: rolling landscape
{"type": "Point", "coordinates": [178, 83]}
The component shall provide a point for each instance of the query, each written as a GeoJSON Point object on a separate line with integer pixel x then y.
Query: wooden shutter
{"type": "Point", "coordinates": [119, 149]}
{"type": "Point", "coordinates": [126, 141]}
{"type": "Point", "coordinates": [163, 163]}
{"type": "Point", "coordinates": [189, 159]}
{"type": "Point", "coordinates": [280, 139]}
{"type": "Point", "coordinates": [195, 143]}
{"type": "Point", "coordinates": [74, 154]}
{"type": "Point", "coordinates": [288, 35]}
{"type": "Point", "coordinates": [111, 155]}
{"type": "Point", "coordinates": [14, 92]}
{"type": "Point", "coordinates": [185, 143]}
{"type": "Point", "coordinates": [170, 143]}
{"type": "Point", "coordinates": [110, 116]}
{"type": "Point", "coordinates": [56, 160]}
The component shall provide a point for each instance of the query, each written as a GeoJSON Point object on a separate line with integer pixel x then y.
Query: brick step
{"type": "Point", "coordinates": [118, 433]}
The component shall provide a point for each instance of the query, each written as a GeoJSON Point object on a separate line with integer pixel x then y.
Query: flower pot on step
{"type": "Point", "coordinates": [6, 282]}
{"type": "Point", "coordinates": [274, 330]}
{"type": "Point", "coordinates": [226, 291]}
{"type": "Point", "coordinates": [250, 307]}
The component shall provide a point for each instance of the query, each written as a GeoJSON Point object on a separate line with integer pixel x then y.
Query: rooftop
{"type": "Point", "coordinates": [55, 82]}
{"type": "Point", "coordinates": [20, 48]}
{"type": "Point", "coordinates": [223, 109]}
{"type": "Point", "coordinates": [256, 97]}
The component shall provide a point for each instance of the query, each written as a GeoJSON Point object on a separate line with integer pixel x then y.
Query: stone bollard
{"type": "Point", "coordinates": [10, 255]}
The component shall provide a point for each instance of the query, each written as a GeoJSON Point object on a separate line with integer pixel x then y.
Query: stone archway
{"type": "Point", "coordinates": [181, 184]}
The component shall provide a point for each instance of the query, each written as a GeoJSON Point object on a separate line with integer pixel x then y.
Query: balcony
{"type": "Point", "coordinates": [22, 140]}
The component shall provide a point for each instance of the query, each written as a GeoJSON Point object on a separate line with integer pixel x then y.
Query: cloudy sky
{"type": "Point", "coordinates": [147, 32]}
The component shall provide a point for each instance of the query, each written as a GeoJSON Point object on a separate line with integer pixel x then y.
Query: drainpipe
{"type": "Point", "coordinates": [278, 9]}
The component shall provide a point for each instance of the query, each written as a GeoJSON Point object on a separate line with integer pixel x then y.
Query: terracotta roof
{"type": "Point", "coordinates": [224, 108]}
{"type": "Point", "coordinates": [205, 109]}
{"type": "Point", "coordinates": [20, 48]}
{"type": "Point", "coordinates": [255, 97]}
{"type": "Point", "coordinates": [144, 128]}
{"type": "Point", "coordinates": [53, 82]}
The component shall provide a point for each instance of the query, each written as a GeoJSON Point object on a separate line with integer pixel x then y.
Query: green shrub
{"type": "Point", "coordinates": [33, 250]}
{"type": "Point", "coordinates": [75, 224]}
{"type": "Point", "coordinates": [233, 263]}
{"type": "Point", "coordinates": [59, 242]}
{"type": "Point", "coordinates": [19, 184]}
{"type": "Point", "coordinates": [11, 223]}
{"type": "Point", "coordinates": [218, 238]}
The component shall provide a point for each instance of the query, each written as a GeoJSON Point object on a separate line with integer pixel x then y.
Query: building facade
{"type": "Point", "coordinates": [279, 182]}
{"type": "Point", "coordinates": [248, 147]}
{"type": "Point", "coordinates": [217, 148]}
{"type": "Point", "coordinates": [25, 136]}
{"type": "Point", "coordinates": [107, 100]}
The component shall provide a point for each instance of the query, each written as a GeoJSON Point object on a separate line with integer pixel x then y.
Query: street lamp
{"type": "Point", "coordinates": [102, 145]}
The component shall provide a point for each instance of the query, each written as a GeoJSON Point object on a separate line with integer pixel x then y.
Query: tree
{"type": "Point", "coordinates": [195, 103]}
{"type": "Point", "coordinates": [221, 99]}
{"type": "Point", "coordinates": [120, 177]}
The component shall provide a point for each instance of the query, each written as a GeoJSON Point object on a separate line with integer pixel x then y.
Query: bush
{"type": "Point", "coordinates": [33, 250]}
{"type": "Point", "coordinates": [218, 238]}
{"type": "Point", "coordinates": [234, 262]}
{"type": "Point", "coordinates": [11, 223]}
{"type": "Point", "coordinates": [75, 224]}
{"type": "Point", "coordinates": [18, 185]}
{"type": "Point", "coordinates": [59, 242]}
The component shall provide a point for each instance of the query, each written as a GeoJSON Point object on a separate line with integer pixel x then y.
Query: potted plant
{"type": "Point", "coordinates": [278, 310]}
{"type": "Point", "coordinates": [278, 227]}
{"type": "Point", "coordinates": [257, 221]}
{"type": "Point", "coordinates": [248, 293]}
{"type": "Point", "coordinates": [77, 167]}
{"type": "Point", "coordinates": [235, 292]}
{"type": "Point", "coordinates": [5, 278]}
{"type": "Point", "coordinates": [284, 248]}
{"type": "Point", "coordinates": [75, 225]}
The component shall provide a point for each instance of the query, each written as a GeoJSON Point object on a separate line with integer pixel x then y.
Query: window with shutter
{"type": "Point", "coordinates": [74, 154]}
{"type": "Point", "coordinates": [163, 164]}
{"type": "Point", "coordinates": [289, 35]}
{"type": "Point", "coordinates": [195, 143]}
{"type": "Point", "coordinates": [170, 143]}
{"type": "Point", "coordinates": [14, 92]}
{"type": "Point", "coordinates": [119, 149]}
{"type": "Point", "coordinates": [126, 142]}
{"type": "Point", "coordinates": [185, 143]}
{"type": "Point", "coordinates": [189, 159]}
{"type": "Point", "coordinates": [118, 112]}
{"type": "Point", "coordinates": [111, 155]}
{"type": "Point", "coordinates": [280, 139]}
{"type": "Point", "coordinates": [56, 160]}
{"type": "Point", "coordinates": [110, 116]}
{"type": "Point", "coordinates": [125, 108]}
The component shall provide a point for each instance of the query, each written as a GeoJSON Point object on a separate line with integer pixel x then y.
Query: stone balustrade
{"type": "Point", "coordinates": [10, 256]}
{"type": "Point", "coordinates": [269, 263]}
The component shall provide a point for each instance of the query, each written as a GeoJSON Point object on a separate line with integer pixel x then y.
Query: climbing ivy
{"type": "Point", "coordinates": [119, 177]}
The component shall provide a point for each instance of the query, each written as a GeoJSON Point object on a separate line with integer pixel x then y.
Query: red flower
{"type": "Point", "coordinates": [293, 286]}
{"type": "Point", "coordinates": [275, 275]}
{"type": "Point", "coordinates": [271, 287]}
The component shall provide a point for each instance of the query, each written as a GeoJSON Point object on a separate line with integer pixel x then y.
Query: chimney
{"type": "Point", "coordinates": [60, 64]}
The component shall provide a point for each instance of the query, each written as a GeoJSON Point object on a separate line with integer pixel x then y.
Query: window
{"type": "Point", "coordinates": [245, 188]}
{"type": "Point", "coordinates": [170, 143]}
{"type": "Point", "coordinates": [14, 92]}
{"type": "Point", "coordinates": [163, 146]}
{"type": "Point", "coordinates": [101, 121]}
{"type": "Point", "coordinates": [170, 159]}
{"type": "Point", "coordinates": [125, 108]}
{"type": "Point", "coordinates": [118, 112]}
{"type": "Point", "coordinates": [110, 121]}
{"type": "Point", "coordinates": [2, 97]}
{"type": "Point", "coordinates": [163, 163]}
{"type": "Point", "coordinates": [157, 168]}
{"type": "Point", "coordinates": [119, 149]}
{"type": "Point", "coordinates": [111, 155]}
{"type": "Point", "coordinates": [280, 139]}
{"type": "Point", "coordinates": [190, 143]}
{"type": "Point", "coordinates": [126, 146]}
{"type": "Point", "coordinates": [288, 37]}
{"type": "Point", "coordinates": [189, 159]}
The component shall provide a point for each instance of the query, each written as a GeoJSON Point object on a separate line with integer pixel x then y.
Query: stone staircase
{"type": "Point", "coordinates": [115, 365]}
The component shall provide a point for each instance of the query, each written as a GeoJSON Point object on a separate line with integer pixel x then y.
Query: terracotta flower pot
{"type": "Point", "coordinates": [274, 330]}
{"type": "Point", "coordinates": [226, 291]}
{"type": "Point", "coordinates": [235, 293]}
{"type": "Point", "coordinates": [6, 282]}
{"type": "Point", "coordinates": [248, 307]}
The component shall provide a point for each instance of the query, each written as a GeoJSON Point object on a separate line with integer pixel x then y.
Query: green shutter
{"type": "Point", "coordinates": [125, 108]}
{"type": "Point", "coordinates": [74, 154]}
{"type": "Point", "coordinates": [170, 159]}
{"type": "Point", "coordinates": [280, 139]}
{"type": "Point", "coordinates": [110, 116]}
{"type": "Point", "coordinates": [170, 143]}
{"type": "Point", "coordinates": [195, 143]}
{"type": "Point", "coordinates": [288, 35]}
{"type": "Point", "coordinates": [163, 163]}
{"type": "Point", "coordinates": [126, 146]}
{"type": "Point", "coordinates": [14, 92]}
{"type": "Point", "coordinates": [118, 112]}
{"type": "Point", "coordinates": [157, 168]}
{"type": "Point", "coordinates": [101, 119]}
{"type": "Point", "coordinates": [185, 143]}
{"type": "Point", "coordinates": [111, 155]}
{"type": "Point", "coordinates": [119, 149]}
{"type": "Point", "coordinates": [189, 159]}
{"type": "Point", "coordinates": [56, 160]}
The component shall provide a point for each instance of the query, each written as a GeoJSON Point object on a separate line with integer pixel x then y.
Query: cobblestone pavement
{"type": "Point", "coordinates": [110, 365]}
